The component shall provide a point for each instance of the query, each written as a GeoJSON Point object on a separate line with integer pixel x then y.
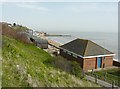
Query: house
{"type": "Point", "coordinates": [89, 54]}
{"type": "Point", "coordinates": [42, 43]}
{"type": "Point", "coordinates": [42, 34]}
{"type": "Point", "coordinates": [30, 31]}
{"type": "Point", "coordinates": [35, 33]}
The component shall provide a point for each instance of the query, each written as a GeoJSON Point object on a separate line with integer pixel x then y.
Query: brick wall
{"type": "Point", "coordinates": [89, 64]}
{"type": "Point", "coordinates": [108, 61]}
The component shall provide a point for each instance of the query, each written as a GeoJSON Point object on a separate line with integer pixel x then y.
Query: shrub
{"type": "Point", "coordinates": [59, 62]}
{"type": "Point", "coordinates": [71, 67]}
{"type": "Point", "coordinates": [16, 34]}
{"type": "Point", "coordinates": [76, 69]}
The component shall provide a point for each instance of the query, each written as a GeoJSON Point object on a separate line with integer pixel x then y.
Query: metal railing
{"type": "Point", "coordinates": [104, 77]}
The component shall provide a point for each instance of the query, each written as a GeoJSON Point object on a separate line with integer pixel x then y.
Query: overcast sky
{"type": "Point", "coordinates": [97, 16]}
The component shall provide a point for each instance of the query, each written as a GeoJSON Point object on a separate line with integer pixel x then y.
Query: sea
{"type": "Point", "coordinates": [104, 39]}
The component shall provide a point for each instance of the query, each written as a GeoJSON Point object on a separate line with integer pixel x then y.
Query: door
{"type": "Point", "coordinates": [99, 60]}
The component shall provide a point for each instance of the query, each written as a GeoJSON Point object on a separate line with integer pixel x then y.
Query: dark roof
{"type": "Point", "coordinates": [85, 48]}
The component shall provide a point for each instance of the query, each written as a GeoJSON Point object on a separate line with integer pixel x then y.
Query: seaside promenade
{"type": "Point", "coordinates": [54, 43]}
{"type": "Point", "coordinates": [51, 42]}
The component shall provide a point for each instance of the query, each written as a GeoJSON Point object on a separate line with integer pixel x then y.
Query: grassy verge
{"type": "Point", "coordinates": [0, 67]}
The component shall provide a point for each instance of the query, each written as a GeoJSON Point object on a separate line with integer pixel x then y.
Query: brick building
{"type": "Point", "coordinates": [89, 54]}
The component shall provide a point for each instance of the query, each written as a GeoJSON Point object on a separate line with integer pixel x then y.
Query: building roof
{"type": "Point", "coordinates": [38, 39]}
{"type": "Point", "coordinates": [85, 48]}
{"type": "Point", "coordinates": [42, 41]}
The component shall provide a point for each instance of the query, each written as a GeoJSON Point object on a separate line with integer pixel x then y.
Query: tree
{"type": "Point", "coordinates": [14, 24]}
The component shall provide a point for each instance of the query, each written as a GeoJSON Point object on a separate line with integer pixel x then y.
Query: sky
{"type": "Point", "coordinates": [84, 16]}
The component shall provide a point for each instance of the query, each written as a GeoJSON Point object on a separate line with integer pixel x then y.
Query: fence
{"type": "Point", "coordinates": [104, 76]}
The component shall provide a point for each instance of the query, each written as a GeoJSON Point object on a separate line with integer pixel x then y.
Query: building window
{"type": "Point", "coordinates": [75, 56]}
{"type": "Point", "coordinates": [69, 53]}
{"type": "Point", "coordinates": [61, 49]}
{"type": "Point", "coordinates": [64, 51]}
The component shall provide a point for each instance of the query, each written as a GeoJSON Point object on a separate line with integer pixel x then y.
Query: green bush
{"type": "Point", "coordinates": [76, 69]}
{"type": "Point", "coordinates": [71, 67]}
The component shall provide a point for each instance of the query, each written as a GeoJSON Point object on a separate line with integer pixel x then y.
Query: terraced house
{"type": "Point", "coordinates": [89, 54]}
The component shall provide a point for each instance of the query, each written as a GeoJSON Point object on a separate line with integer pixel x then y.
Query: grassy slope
{"type": "Point", "coordinates": [0, 68]}
{"type": "Point", "coordinates": [0, 60]}
{"type": "Point", "coordinates": [31, 70]}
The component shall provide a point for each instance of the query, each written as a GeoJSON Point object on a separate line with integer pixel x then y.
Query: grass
{"type": "Point", "coordinates": [24, 65]}
{"type": "Point", "coordinates": [0, 61]}
{"type": "Point", "coordinates": [71, 67]}
{"type": "Point", "coordinates": [0, 67]}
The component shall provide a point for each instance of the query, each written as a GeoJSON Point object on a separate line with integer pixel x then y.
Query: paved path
{"type": "Point", "coordinates": [102, 83]}
{"type": "Point", "coordinates": [54, 43]}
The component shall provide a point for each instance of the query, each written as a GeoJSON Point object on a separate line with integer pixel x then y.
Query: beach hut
{"type": "Point", "coordinates": [30, 31]}
{"type": "Point", "coordinates": [87, 53]}
{"type": "Point", "coordinates": [42, 43]}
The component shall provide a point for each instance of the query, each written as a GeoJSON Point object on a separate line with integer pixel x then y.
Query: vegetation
{"type": "Point", "coordinates": [71, 67]}
{"type": "Point", "coordinates": [0, 67]}
{"type": "Point", "coordinates": [20, 27]}
{"type": "Point", "coordinates": [14, 24]}
{"type": "Point", "coordinates": [25, 65]}
{"type": "Point", "coordinates": [14, 33]}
